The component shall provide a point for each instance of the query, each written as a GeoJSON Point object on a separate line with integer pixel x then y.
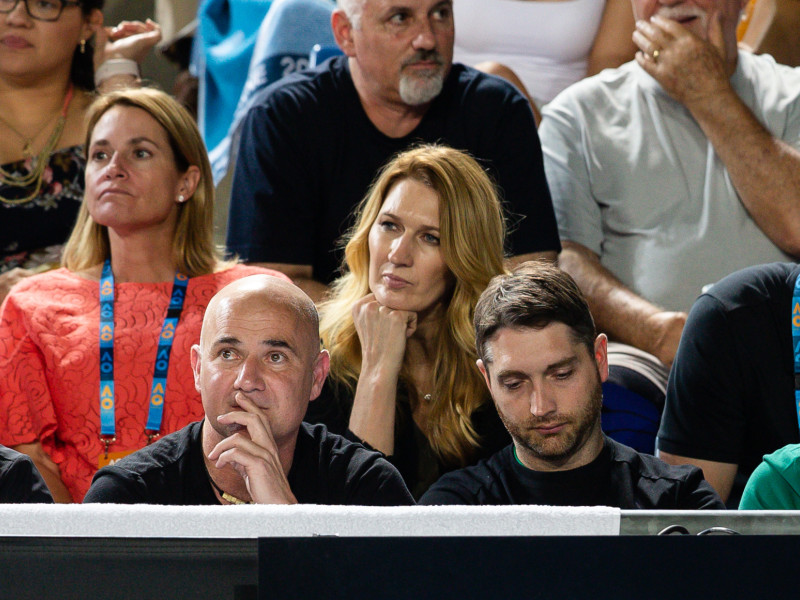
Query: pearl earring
{"type": "Point", "coordinates": [181, 198]}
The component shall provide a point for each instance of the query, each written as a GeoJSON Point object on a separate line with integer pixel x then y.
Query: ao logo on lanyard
{"type": "Point", "coordinates": [159, 386]}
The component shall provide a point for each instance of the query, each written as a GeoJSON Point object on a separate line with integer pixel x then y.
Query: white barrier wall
{"type": "Point", "coordinates": [253, 521]}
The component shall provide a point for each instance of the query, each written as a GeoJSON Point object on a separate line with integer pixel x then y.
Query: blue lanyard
{"type": "Point", "coordinates": [158, 389]}
{"type": "Point", "coordinates": [796, 345]}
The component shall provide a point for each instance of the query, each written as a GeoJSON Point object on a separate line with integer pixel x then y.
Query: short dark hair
{"type": "Point", "coordinates": [534, 295]}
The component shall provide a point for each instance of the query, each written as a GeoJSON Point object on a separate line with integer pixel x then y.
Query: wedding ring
{"type": "Point", "coordinates": [655, 55]}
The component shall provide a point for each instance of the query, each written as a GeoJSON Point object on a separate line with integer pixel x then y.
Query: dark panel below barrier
{"type": "Point", "coordinates": [596, 568]}
{"type": "Point", "coordinates": [120, 568]}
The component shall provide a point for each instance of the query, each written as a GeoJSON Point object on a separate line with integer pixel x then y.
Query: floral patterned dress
{"type": "Point", "coordinates": [32, 234]}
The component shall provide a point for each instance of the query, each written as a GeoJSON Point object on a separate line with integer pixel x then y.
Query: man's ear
{"type": "Point", "coordinates": [485, 372]}
{"type": "Point", "coordinates": [601, 355]}
{"type": "Point", "coordinates": [195, 359]}
{"type": "Point", "coordinates": [321, 368]}
{"type": "Point", "coordinates": [343, 32]}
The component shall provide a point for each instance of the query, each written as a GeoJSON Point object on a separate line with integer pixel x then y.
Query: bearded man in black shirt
{"type": "Point", "coordinates": [544, 364]}
{"type": "Point", "coordinates": [257, 367]}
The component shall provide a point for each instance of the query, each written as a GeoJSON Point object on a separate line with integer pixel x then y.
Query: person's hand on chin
{"type": "Point", "coordinates": [254, 454]}
{"type": "Point", "coordinates": [383, 332]}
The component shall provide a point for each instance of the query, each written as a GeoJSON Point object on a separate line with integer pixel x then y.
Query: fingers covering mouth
{"type": "Point", "coordinates": [682, 15]}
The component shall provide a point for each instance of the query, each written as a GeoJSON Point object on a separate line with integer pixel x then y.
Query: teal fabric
{"type": "Point", "coordinates": [775, 484]}
{"type": "Point", "coordinates": [283, 43]}
{"type": "Point", "coordinates": [227, 34]}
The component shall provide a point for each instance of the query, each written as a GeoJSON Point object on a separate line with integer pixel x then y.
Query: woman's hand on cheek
{"type": "Point", "coordinates": [383, 332]}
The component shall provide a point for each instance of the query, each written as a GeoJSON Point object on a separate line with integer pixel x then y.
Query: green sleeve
{"type": "Point", "coordinates": [775, 484]}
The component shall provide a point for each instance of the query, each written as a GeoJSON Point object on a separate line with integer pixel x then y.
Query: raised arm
{"type": "Point", "coordinates": [382, 332]}
{"type": "Point", "coordinates": [764, 169]}
{"type": "Point", "coordinates": [120, 50]}
{"type": "Point", "coordinates": [613, 45]}
{"type": "Point", "coordinates": [625, 316]}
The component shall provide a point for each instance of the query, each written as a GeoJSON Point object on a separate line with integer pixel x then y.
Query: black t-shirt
{"type": "Point", "coordinates": [730, 396]}
{"type": "Point", "coordinates": [308, 154]}
{"type": "Point", "coordinates": [19, 480]}
{"type": "Point", "coordinates": [326, 469]}
{"type": "Point", "coordinates": [413, 455]}
{"type": "Point", "coordinates": [619, 477]}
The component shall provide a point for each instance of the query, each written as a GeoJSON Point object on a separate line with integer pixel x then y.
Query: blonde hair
{"type": "Point", "coordinates": [472, 232]}
{"type": "Point", "coordinates": [193, 247]}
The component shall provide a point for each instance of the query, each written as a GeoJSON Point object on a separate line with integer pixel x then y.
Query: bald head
{"type": "Point", "coordinates": [260, 342]}
{"type": "Point", "coordinates": [256, 293]}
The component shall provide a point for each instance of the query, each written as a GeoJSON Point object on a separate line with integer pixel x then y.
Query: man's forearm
{"type": "Point", "coordinates": [47, 469]}
{"type": "Point", "coordinates": [765, 170]}
{"type": "Point", "coordinates": [302, 277]}
{"type": "Point", "coordinates": [514, 261]}
{"type": "Point", "coordinates": [720, 475]}
{"type": "Point", "coordinates": [625, 316]}
{"type": "Point", "coordinates": [316, 290]}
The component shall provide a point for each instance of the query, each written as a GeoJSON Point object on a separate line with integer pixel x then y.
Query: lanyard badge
{"type": "Point", "coordinates": [159, 385]}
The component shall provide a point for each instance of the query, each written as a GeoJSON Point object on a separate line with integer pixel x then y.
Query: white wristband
{"type": "Point", "coordinates": [114, 67]}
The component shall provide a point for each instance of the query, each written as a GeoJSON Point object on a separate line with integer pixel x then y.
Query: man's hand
{"type": "Point", "coordinates": [383, 332]}
{"type": "Point", "coordinates": [690, 69]}
{"type": "Point", "coordinates": [254, 454]}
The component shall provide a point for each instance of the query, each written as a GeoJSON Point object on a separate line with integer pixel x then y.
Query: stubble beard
{"type": "Point", "coordinates": [560, 446]}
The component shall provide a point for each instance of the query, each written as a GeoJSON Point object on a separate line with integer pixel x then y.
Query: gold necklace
{"type": "Point", "coordinates": [39, 163]}
{"type": "Point", "coordinates": [225, 495]}
{"type": "Point", "coordinates": [27, 147]}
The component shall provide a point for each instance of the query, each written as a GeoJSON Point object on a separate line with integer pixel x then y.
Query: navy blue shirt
{"type": "Point", "coordinates": [308, 154]}
{"type": "Point", "coordinates": [730, 396]}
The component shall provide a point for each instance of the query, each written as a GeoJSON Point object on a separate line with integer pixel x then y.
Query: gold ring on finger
{"type": "Point", "coordinates": [655, 55]}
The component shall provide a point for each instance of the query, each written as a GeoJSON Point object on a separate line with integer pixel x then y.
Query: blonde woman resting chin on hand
{"type": "Point", "coordinates": [428, 238]}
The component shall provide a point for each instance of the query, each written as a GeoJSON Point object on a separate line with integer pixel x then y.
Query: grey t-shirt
{"type": "Point", "coordinates": [635, 180]}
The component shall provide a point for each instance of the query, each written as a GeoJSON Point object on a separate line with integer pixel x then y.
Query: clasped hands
{"type": "Point", "coordinates": [253, 454]}
{"type": "Point", "coordinates": [692, 70]}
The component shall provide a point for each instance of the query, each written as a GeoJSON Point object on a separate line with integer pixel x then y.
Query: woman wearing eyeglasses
{"type": "Point", "coordinates": [52, 55]}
